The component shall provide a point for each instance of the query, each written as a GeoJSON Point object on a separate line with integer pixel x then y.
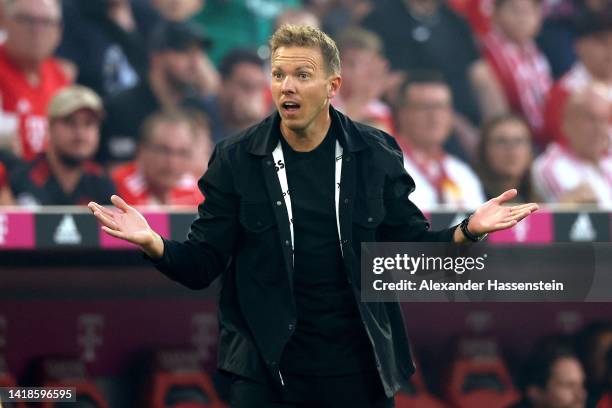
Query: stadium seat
{"type": "Point", "coordinates": [478, 376]}
{"type": "Point", "coordinates": [88, 394]}
{"type": "Point", "coordinates": [480, 383]}
{"type": "Point", "coordinates": [178, 382]}
{"type": "Point", "coordinates": [71, 373]}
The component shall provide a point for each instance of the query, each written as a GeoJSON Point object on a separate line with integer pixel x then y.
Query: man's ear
{"type": "Point", "coordinates": [334, 84]}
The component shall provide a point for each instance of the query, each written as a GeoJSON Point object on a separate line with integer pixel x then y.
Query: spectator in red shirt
{"type": "Point", "coordinates": [65, 174]}
{"type": "Point", "coordinates": [519, 66]}
{"type": "Point", "coordinates": [29, 76]}
{"type": "Point", "coordinates": [594, 48]}
{"type": "Point", "coordinates": [161, 173]}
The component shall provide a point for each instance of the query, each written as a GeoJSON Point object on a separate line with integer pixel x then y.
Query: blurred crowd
{"type": "Point", "coordinates": [130, 96]}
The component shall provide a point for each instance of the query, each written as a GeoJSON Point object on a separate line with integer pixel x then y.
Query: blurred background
{"type": "Point", "coordinates": [129, 97]}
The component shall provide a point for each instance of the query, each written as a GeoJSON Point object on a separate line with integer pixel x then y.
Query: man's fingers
{"type": "Point", "coordinates": [97, 207]}
{"type": "Point", "coordinates": [514, 218]}
{"type": "Point", "coordinates": [119, 203]}
{"type": "Point", "coordinates": [522, 215]}
{"type": "Point", "coordinates": [114, 233]}
{"type": "Point", "coordinates": [505, 225]}
{"type": "Point", "coordinates": [516, 215]}
{"type": "Point", "coordinates": [105, 220]}
{"type": "Point", "coordinates": [505, 196]}
{"type": "Point", "coordinates": [521, 207]}
{"type": "Point", "coordinates": [528, 209]}
{"type": "Point", "coordinates": [93, 206]}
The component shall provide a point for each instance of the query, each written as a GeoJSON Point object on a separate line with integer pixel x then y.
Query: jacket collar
{"type": "Point", "coordinates": [266, 136]}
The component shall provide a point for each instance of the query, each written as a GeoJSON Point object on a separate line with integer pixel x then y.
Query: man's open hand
{"type": "Point", "coordinates": [494, 216]}
{"type": "Point", "coordinates": [128, 224]}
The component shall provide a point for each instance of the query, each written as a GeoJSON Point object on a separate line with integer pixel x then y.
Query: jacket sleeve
{"type": "Point", "coordinates": [403, 221]}
{"type": "Point", "coordinates": [205, 254]}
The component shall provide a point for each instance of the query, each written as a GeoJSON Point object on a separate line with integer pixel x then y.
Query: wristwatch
{"type": "Point", "coordinates": [467, 233]}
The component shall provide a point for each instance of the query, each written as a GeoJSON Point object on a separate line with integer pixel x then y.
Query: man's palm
{"type": "Point", "coordinates": [124, 223]}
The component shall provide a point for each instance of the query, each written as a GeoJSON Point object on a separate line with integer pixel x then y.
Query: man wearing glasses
{"type": "Point", "coordinates": [160, 175]}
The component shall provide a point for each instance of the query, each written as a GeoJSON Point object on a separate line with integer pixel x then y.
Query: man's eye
{"type": "Point", "coordinates": [303, 75]}
{"type": "Point", "coordinates": [277, 75]}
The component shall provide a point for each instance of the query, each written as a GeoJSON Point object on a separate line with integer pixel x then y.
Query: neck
{"type": "Point", "coordinates": [232, 122]}
{"type": "Point", "coordinates": [505, 183]}
{"type": "Point", "coordinates": [520, 42]}
{"type": "Point", "coordinates": [30, 68]}
{"type": "Point", "coordinates": [426, 151]}
{"type": "Point", "coordinates": [422, 8]}
{"type": "Point", "coordinates": [605, 80]}
{"type": "Point", "coordinates": [305, 140]}
{"type": "Point", "coordinates": [162, 196]}
{"type": "Point", "coordinates": [354, 103]}
{"type": "Point", "coordinates": [576, 149]}
{"type": "Point", "coordinates": [66, 176]}
{"type": "Point", "coordinates": [588, 158]}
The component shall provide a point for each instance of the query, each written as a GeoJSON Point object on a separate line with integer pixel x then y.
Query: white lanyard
{"type": "Point", "coordinates": [281, 172]}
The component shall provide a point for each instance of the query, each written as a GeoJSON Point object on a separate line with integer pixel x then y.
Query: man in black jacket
{"type": "Point", "coordinates": [288, 203]}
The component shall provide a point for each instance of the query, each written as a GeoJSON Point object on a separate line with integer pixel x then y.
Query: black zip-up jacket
{"type": "Point", "coordinates": [243, 233]}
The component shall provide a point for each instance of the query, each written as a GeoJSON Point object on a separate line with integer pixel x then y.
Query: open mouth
{"type": "Point", "coordinates": [290, 107]}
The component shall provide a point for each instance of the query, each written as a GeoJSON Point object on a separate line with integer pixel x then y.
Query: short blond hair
{"type": "Point", "coordinates": [305, 36]}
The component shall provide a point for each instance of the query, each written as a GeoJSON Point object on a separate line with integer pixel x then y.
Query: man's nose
{"type": "Point", "coordinates": [287, 86]}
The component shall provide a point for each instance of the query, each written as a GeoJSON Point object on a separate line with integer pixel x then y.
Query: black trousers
{"type": "Point", "coordinates": [361, 390]}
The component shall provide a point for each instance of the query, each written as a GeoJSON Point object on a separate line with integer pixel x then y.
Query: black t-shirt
{"type": "Point", "coordinates": [35, 184]}
{"type": "Point", "coordinates": [329, 337]}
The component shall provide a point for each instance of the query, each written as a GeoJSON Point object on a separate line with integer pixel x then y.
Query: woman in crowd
{"type": "Point", "coordinates": [504, 157]}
